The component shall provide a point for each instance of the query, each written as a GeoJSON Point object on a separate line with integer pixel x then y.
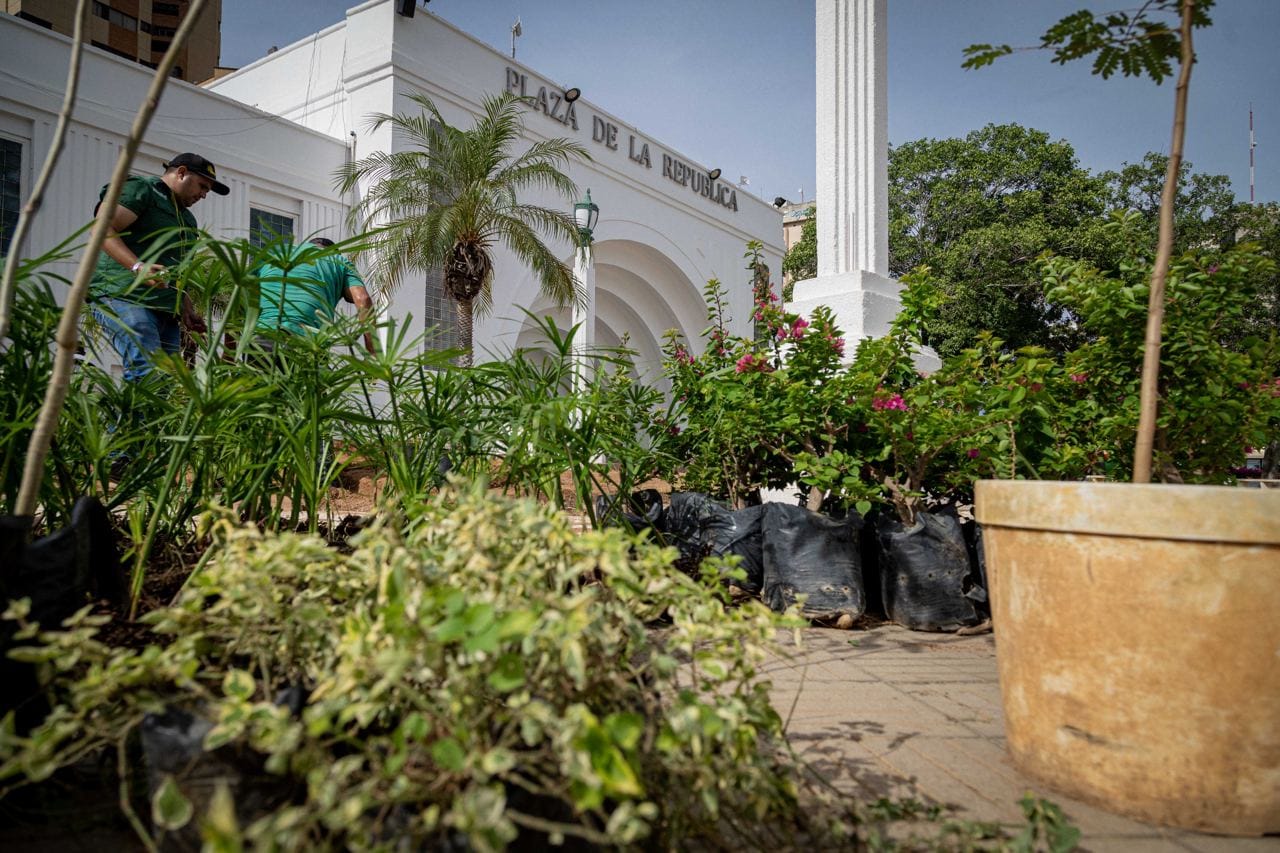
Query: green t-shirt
{"type": "Point", "coordinates": [152, 238]}
{"type": "Point", "coordinates": [303, 297]}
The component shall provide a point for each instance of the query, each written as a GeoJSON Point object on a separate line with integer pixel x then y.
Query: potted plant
{"type": "Point", "coordinates": [1136, 624]}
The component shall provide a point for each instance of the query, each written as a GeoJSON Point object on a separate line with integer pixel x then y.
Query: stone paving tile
{"type": "Point", "coordinates": [1132, 844]}
{"type": "Point", "coordinates": [1223, 844]}
{"type": "Point", "coordinates": [889, 712]}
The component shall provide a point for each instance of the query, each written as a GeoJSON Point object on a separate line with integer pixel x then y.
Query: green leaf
{"type": "Point", "coordinates": [169, 808]}
{"type": "Point", "coordinates": [508, 673]}
{"type": "Point", "coordinates": [449, 754]}
{"type": "Point", "coordinates": [238, 684]}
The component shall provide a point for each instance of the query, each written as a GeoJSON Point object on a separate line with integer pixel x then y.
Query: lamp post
{"type": "Point", "coordinates": [585, 214]}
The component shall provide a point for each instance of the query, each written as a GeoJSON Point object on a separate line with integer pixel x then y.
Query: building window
{"type": "Point", "coordinates": [266, 226]}
{"type": "Point", "coordinates": [164, 8]}
{"type": "Point", "coordinates": [27, 16]}
{"type": "Point", "coordinates": [109, 49]}
{"type": "Point", "coordinates": [164, 32]}
{"type": "Point", "coordinates": [10, 190]}
{"type": "Point", "coordinates": [159, 46]}
{"type": "Point", "coordinates": [102, 10]}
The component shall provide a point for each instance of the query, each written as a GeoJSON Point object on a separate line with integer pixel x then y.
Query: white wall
{"type": "Point", "coordinates": [657, 242]}
{"type": "Point", "coordinates": [259, 156]}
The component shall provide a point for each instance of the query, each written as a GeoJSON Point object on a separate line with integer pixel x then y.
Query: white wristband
{"type": "Point", "coordinates": [136, 266]}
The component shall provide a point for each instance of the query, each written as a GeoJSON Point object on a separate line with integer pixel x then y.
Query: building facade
{"type": "Point", "coordinates": [138, 30]}
{"type": "Point", "coordinates": [280, 128]}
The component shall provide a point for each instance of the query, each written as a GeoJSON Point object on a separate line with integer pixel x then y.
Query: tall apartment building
{"type": "Point", "coordinates": [140, 30]}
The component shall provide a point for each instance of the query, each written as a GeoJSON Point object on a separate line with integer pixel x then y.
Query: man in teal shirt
{"type": "Point", "coordinates": [151, 230]}
{"type": "Point", "coordinates": [302, 298]}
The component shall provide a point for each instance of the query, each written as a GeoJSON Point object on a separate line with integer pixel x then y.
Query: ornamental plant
{"type": "Point", "coordinates": [472, 667]}
{"type": "Point", "coordinates": [746, 408]}
{"type": "Point", "coordinates": [1218, 390]}
{"type": "Point", "coordinates": [783, 408]}
{"type": "Point", "coordinates": [913, 436]}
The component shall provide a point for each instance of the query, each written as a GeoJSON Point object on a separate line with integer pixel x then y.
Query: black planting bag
{"type": "Point", "coordinates": [810, 554]}
{"type": "Point", "coordinates": [925, 574]}
{"type": "Point", "coordinates": [739, 532]}
{"type": "Point", "coordinates": [685, 520]}
{"type": "Point", "coordinates": [60, 573]}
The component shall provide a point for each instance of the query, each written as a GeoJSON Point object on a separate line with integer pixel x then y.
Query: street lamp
{"type": "Point", "coordinates": [585, 214]}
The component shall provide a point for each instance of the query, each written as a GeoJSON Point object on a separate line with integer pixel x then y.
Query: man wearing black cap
{"type": "Point", "coordinates": [151, 230]}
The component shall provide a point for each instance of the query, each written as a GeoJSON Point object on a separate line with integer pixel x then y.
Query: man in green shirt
{"type": "Point", "coordinates": [302, 297]}
{"type": "Point", "coordinates": [151, 230]}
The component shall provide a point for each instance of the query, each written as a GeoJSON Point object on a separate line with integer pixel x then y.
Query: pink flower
{"type": "Point", "coordinates": [895, 402]}
{"type": "Point", "coordinates": [744, 363]}
{"type": "Point", "coordinates": [752, 363]}
{"type": "Point", "coordinates": [1213, 269]}
{"type": "Point", "coordinates": [1244, 386]}
{"type": "Point", "coordinates": [1035, 387]}
{"type": "Point", "coordinates": [797, 328]}
{"type": "Point", "coordinates": [682, 356]}
{"type": "Point", "coordinates": [973, 453]}
{"type": "Point", "coordinates": [838, 344]}
{"type": "Point", "coordinates": [1079, 377]}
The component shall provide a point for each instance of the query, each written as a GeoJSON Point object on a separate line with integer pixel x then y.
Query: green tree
{"type": "Point", "coordinates": [977, 211]}
{"type": "Point", "coordinates": [801, 260]}
{"type": "Point", "coordinates": [449, 197]}
{"type": "Point", "coordinates": [1204, 209]}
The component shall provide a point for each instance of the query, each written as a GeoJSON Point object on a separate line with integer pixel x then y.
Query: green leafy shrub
{"type": "Point", "coordinates": [473, 666]}
{"type": "Point", "coordinates": [1217, 388]}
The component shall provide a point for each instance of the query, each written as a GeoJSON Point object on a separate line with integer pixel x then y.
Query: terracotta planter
{"type": "Point", "coordinates": [1138, 641]}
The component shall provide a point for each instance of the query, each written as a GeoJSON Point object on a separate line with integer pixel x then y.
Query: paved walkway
{"type": "Point", "coordinates": [891, 711]}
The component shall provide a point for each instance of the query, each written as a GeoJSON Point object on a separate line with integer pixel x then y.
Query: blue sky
{"type": "Point", "coordinates": [730, 83]}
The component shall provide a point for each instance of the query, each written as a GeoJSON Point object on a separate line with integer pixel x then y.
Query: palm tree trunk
{"type": "Point", "coordinates": [1142, 450]}
{"type": "Point", "coordinates": [464, 309]}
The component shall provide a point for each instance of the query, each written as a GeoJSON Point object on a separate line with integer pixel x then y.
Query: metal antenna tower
{"type": "Point", "coordinates": [1252, 145]}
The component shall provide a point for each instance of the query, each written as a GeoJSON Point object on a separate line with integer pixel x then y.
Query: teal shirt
{"type": "Point", "coordinates": [163, 233]}
{"type": "Point", "coordinates": [303, 297]}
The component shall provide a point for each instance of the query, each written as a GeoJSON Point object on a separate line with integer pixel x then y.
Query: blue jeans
{"type": "Point", "coordinates": [136, 332]}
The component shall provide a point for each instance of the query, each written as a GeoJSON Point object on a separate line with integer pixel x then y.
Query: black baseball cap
{"type": "Point", "coordinates": [197, 165]}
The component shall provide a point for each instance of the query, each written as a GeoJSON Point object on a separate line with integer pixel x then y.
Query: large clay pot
{"type": "Point", "coordinates": [1138, 641]}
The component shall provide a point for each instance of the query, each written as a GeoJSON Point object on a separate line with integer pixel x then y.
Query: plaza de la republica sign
{"type": "Point", "coordinates": [550, 101]}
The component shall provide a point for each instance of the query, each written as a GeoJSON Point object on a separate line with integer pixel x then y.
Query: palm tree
{"type": "Point", "coordinates": [450, 196]}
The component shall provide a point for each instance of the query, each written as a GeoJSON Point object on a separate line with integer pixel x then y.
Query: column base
{"type": "Point", "coordinates": [864, 305]}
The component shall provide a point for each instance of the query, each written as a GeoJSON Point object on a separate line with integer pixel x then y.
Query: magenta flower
{"type": "Point", "coordinates": [1079, 377]}
{"type": "Point", "coordinates": [886, 403]}
{"type": "Point", "coordinates": [838, 344]}
{"type": "Point", "coordinates": [973, 453]}
{"type": "Point", "coordinates": [752, 363]}
{"type": "Point", "coordinates": [797, 328]}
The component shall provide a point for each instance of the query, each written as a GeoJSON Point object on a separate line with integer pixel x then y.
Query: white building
{"type": "Point", "coordinates": [279, 128]}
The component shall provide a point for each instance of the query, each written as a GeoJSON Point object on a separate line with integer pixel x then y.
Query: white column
{"type": "Point", "coordinates": [852, 151]}
{"type": "Point", "coordinates": [584, 314]}
{"type": "Point", "coordinates": [852, 136]}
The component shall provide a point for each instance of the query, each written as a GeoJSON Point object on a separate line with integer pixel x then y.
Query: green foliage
{"type": "Point", "coordinates": [1217, 388]}
{"type": "Point", "coordinates": [801, 261]}
{"type": "Point", "coordinates": [1134, 43]}
{"type": "Point", "coordinates": [449, 196]}
{"type": "Point", "coordinates": [1205, 214]}
{"type": "Point", "coordinates": [745, 408]}
{"type": "Point", "coordinates": [783, 408]}
{"type": "Point", "coordinates": [473, 666]}
{"type": "Point", "coordinates": [977, 211]}
{"type": "Point", "coordinates": [1047, 828]}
